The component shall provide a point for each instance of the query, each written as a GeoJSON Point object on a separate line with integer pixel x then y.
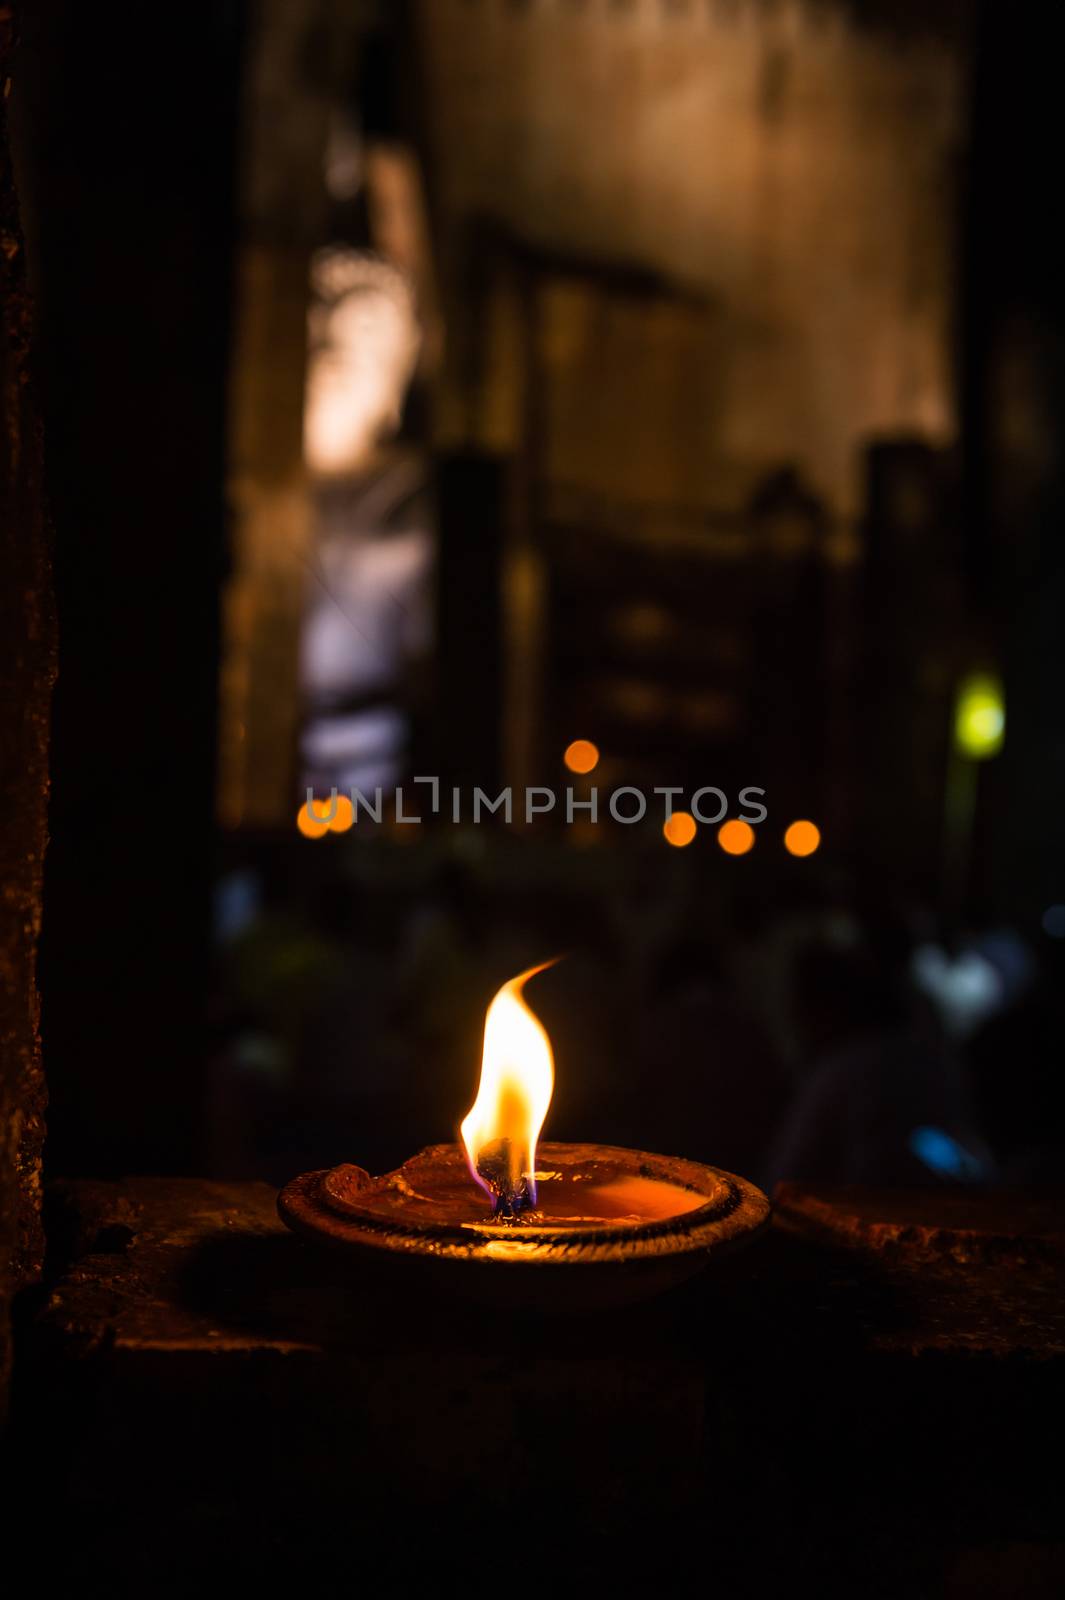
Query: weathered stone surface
{"type": "Point", "coordinates": [197, 1366]}
{"type": "Point", "coordinates": [810, 1410]}
{"type": "Point", "coordinates": [27, 667]}
{"type": "Point", "coordinates": [185, 1264]}
{"type": "Point", "coordinates": [934, 1227]}
{"type": "Point", "coordinates": [987, 1267]}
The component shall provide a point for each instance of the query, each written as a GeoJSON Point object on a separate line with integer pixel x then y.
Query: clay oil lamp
{"type": "Point", "coordinates": [503, 1217]}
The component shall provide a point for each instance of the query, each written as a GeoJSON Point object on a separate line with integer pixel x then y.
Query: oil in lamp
{"type": "Point", "coordinates": [505, 1217]}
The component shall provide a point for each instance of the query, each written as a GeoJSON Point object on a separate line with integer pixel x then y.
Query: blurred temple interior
{"type": "Point", "coordinates": [678, 378]}
{"type": "Point", "coordinates": [657, 401]}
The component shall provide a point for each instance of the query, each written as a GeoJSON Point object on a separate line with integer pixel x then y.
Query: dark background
{"type": "Point", "coordinates": [129, 139]}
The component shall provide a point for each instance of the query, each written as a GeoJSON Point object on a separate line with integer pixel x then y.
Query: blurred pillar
{"type": "Point", "coordinates": [470, 576]}
{"type": "Point", "coordinates": [1014, 388]}
{"type": "Point", "coordinates": [282, 208]}
{"type": "Point", "coordinates": [125, 159]}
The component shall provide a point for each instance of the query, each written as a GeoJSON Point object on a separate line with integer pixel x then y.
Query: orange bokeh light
{"type": "Point", "coordinates": [735, 837]}
{"type": "Point", "coordinates": [308, 824]}
{"type": "Point", "coordinates": [311, 819]}
{"type": "Point", "coordinates": [581, 756]}
{"type": "Point", "coordinates": [679, 829]}
{"type": "Point", "coordinates": [345, 817]}
{"type": "Point", "coordinates": [802, 838]}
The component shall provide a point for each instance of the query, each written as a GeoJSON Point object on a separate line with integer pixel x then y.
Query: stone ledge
{"type": "Point", "coordinates": [197, 1372]}
{"type": "Point", "coordinates": [172, 1263]}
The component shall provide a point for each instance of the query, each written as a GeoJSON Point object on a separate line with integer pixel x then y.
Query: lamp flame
{"type": "Point", "coordinates": [517, 1077]}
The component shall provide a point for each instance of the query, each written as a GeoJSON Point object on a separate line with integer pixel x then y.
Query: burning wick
{"type": "Point", "coordinates": [517, 1077]}
{"type": "Point", "coordinates": [512, 1191]}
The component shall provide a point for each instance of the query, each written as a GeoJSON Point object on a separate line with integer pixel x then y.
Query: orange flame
{"type": "Point", "coordinates": [517, 1077]}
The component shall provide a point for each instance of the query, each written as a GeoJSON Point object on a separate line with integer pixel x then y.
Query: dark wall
{"type": "Point", "coordinates": [27, 666]}
{"type": "Point", "coordinates": [1013, 348]}
{"type": "Point", "coordinates": [126, 145]}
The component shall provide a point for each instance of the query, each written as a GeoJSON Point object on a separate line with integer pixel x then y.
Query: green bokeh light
{"type": "Point", "coordinates": [980, 716]}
